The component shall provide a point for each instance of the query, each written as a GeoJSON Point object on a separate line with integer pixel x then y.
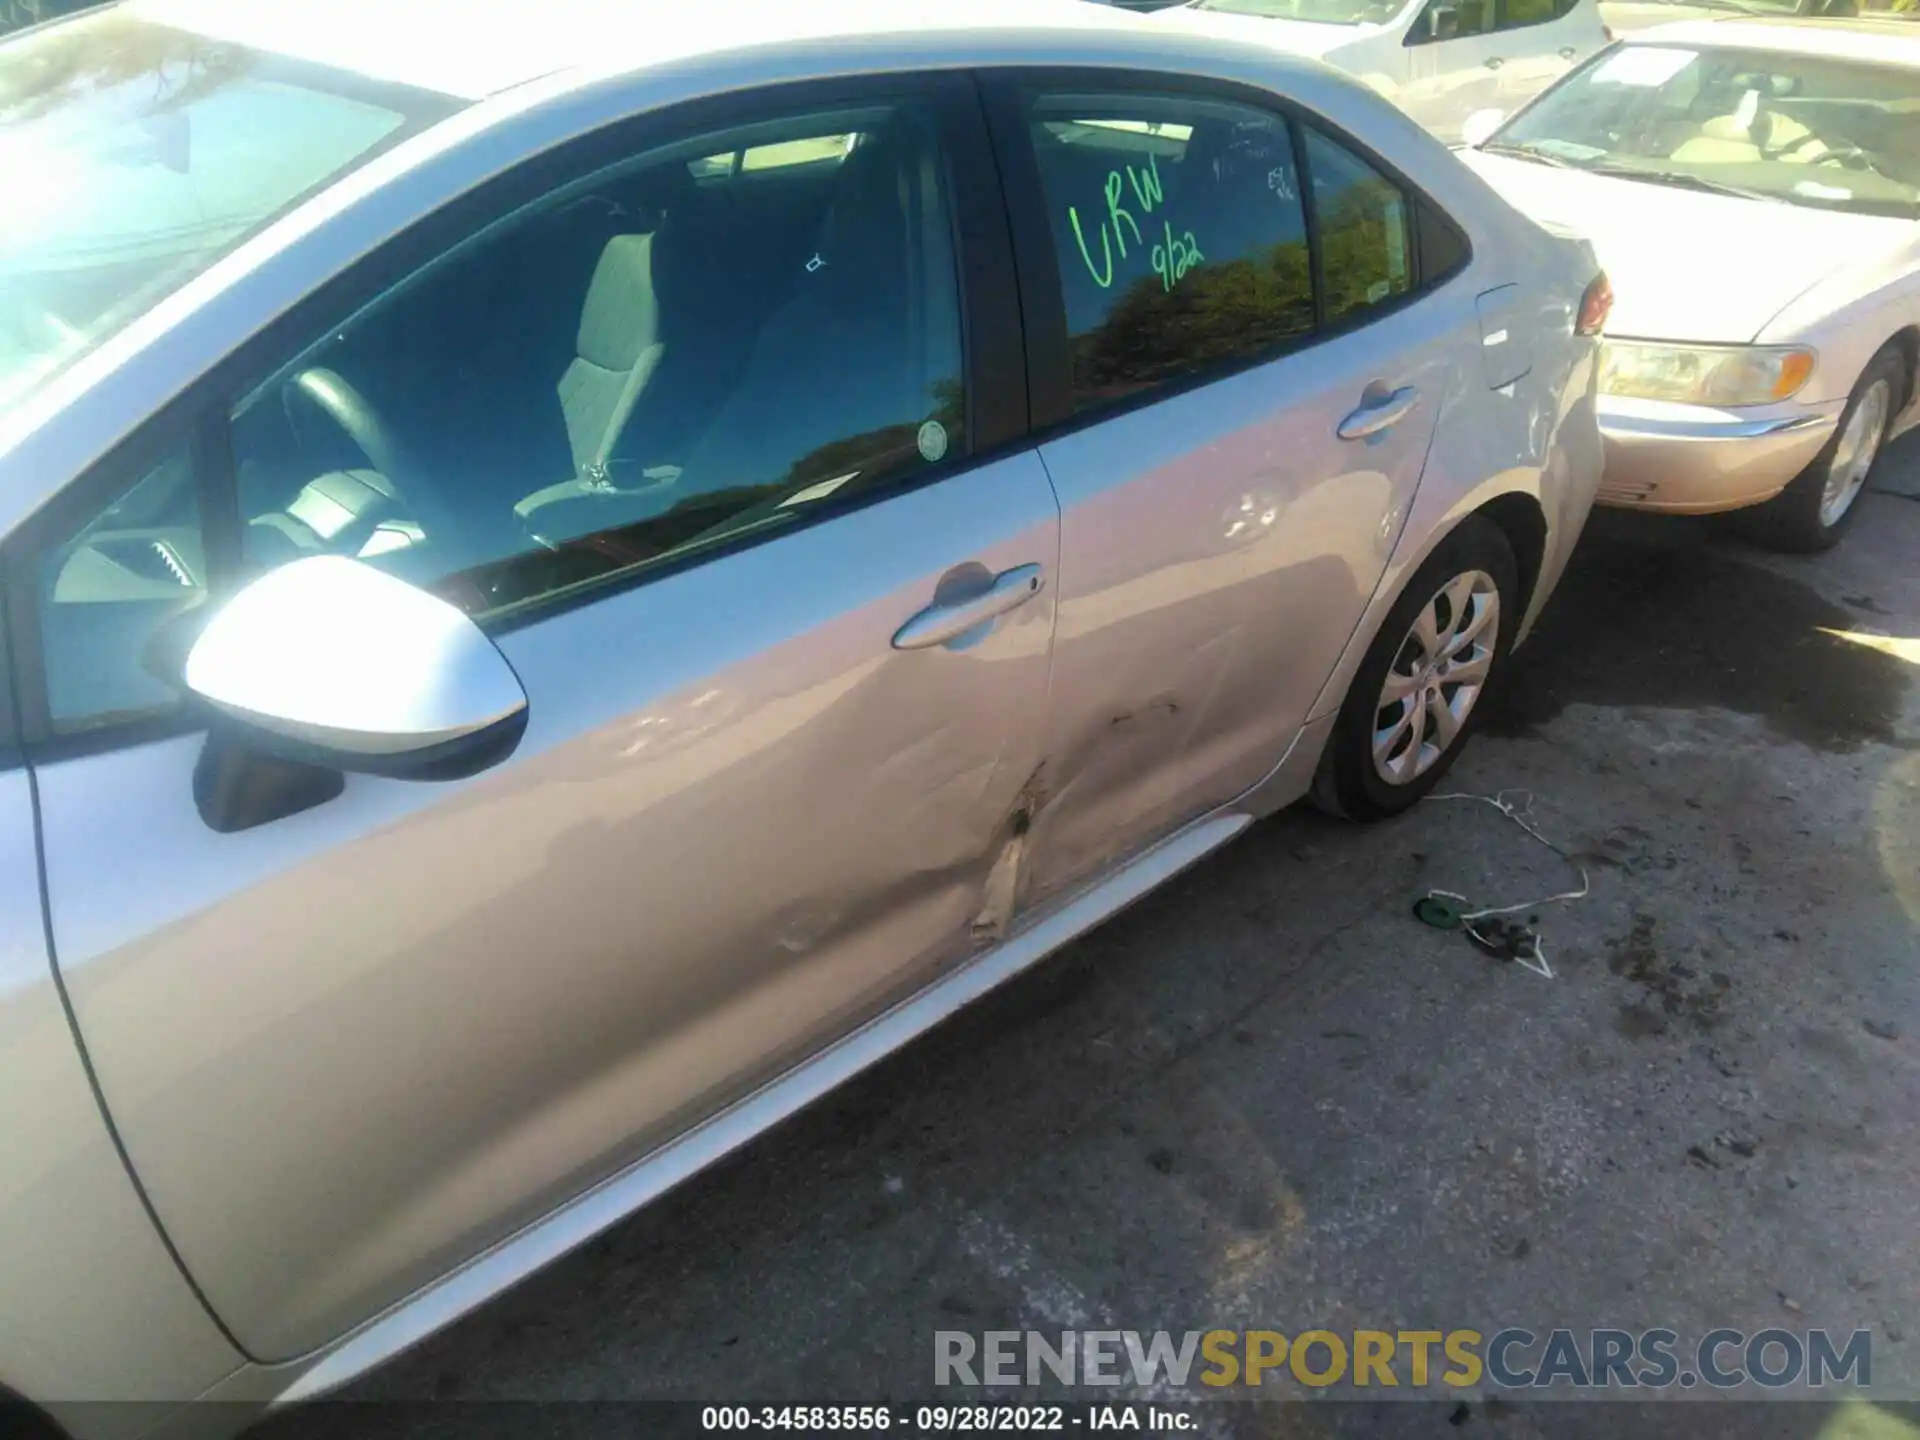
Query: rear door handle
{"type": "Point", "coordinates": [1495, 63]}
{"type": "Point", "coordinates": [1567, 52]}
{"type": "Point", "coordinates": [944, 621]}
{"type": "Point", "coordinates": [1379, 415]}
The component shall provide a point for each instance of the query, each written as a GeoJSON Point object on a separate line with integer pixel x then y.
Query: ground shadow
{"type": "Point", "coordinates": [1664, 620]}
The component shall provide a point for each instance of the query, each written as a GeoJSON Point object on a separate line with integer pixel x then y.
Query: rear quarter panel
{"type": "Point", "coordinates": [1538, 438]}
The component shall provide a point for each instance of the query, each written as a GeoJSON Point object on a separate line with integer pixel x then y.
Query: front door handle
{"type": "Point", "coordinates": [947, 620]}
{"type": "Point", "coordinates": [1377, 416]}
{"type": "Point", "coordinates": [1495, 63]}
{"type": "Point", "coordinates": [1567, 52]}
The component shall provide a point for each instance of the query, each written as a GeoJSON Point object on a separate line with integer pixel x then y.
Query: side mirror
{"type": "Point", "coordinates": [332, 662]}
{"type": "Point", "coordinates": [1480, 125]}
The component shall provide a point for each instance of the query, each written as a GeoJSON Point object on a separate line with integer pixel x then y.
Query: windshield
{"type": "Point", "coordinates": [1318, 12]}
{"type": "Point", "coordinates": [1836, 134]}
{"type": "Point", "coordinates": [134, 155]}
{"type": "Point", "coordinates": [1881, 9]}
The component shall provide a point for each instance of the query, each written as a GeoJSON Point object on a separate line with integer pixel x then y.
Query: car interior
{"type": "Point", "coordinates": [683, 349]}
{"type": "Point", "coordinates": [673, 352]}
{"type": "Point", "coordinates": [1742, 118]}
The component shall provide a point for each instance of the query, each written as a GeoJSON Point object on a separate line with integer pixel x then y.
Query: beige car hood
{"type": "Point", "coordinates": [1686, 265]}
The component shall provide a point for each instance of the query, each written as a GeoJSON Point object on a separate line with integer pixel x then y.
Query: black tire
{"type": "Point", "coordinates": [1791, 521]}
{"type": "Point", "coordinates": [1348, 783]}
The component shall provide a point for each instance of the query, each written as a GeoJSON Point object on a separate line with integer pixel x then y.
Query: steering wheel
{"type": "Point", "coordinates": [348, 409]}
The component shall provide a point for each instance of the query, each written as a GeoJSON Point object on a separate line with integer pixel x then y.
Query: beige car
{"type": "Point", "coordinates": [1753, 188]}
{"type": "Point", "coordinates": [568, 587]}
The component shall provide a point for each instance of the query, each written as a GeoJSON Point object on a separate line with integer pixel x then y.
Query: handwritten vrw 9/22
{"type": "Point", "coordinates": [1172, 255]}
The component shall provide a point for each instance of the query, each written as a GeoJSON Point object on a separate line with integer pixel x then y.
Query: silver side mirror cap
{"type": "Point", "coordinates": [331, 661]}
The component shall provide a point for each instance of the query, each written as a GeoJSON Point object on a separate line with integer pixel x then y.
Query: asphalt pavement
{"type": "Point", "coordinates": [1268, 1096]}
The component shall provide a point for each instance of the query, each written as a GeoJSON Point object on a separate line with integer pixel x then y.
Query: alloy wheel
{"type": "Point", "coordinates": [1436, 678]}
{"type": "Point", "coordinates": [1855, 452]}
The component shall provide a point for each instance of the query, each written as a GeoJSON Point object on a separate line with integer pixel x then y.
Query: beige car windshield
{"type": "Point", "coordinates": [1800, 129]}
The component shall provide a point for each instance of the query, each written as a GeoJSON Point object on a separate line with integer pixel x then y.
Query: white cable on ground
{"type": "Point", "coordinates": [1521, 815]}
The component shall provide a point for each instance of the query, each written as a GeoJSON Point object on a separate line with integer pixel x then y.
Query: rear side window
{"type": "Point", "coordinates": [1361, 219]}
{"type": "Point", "coordinates": [1192, 235]}
{"type": "Point", "coordinates": [1179, 232]}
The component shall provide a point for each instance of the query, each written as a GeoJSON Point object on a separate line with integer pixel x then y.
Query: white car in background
{"type": "Point", "coordinates": [1628, 17]}
{"type": "Point", "coordinates": [1753, 189]}
{"type": "Point", "coordinates": [1439, 60]}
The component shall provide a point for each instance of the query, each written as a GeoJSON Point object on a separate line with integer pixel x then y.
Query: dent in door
{"type": "Point", "coordinates": [349, 1049]}
{"type": "Point", "coordinates": [1218, 548]}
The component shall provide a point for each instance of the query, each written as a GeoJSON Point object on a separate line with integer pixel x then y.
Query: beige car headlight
{"type": "Point", "coordinates": [1704, 374]}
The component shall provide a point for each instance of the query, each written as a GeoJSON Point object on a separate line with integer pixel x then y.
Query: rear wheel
{"type": "Point", "coordinates": [1814, 511]}
{"type": "Point", "coordinates": [1416, 695]}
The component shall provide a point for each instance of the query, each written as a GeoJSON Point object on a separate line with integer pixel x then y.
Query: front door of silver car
{"type": "Point", "coordinates": [684, 419]}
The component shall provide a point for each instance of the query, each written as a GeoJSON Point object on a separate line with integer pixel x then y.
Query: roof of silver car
{"type": "Point", "coordinates": [474, 48]}
{"type": "Point", "coordinates": [1888, 42]}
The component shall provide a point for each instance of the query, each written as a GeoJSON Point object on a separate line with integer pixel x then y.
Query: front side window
{"type": "Point", "coordinates": [650, 361]}
{"type": "Point", "coordinates": [133, 155]}
{"type": "Point", "coordinates": [1179, 234]}
{"type": "Point", "coordinates": [707, 341]}
{"type": "Point", "coordinates": [108, 596]}
{"type": "Point", "coordinates": [1798, 129]}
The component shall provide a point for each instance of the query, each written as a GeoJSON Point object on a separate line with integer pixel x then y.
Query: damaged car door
{"type": "Point", "coordinates": [1239, 388]}
{"type": "Point", "coordinates": [696, 440]}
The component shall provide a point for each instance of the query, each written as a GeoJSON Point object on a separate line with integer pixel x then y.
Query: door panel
{"type": "Point", "coordinates": [348, 1049]}
{"type": "Point", "coordinates": [684, 417]}
{"type": "Point", "coordinates": [1219, 541]}
{"type": "Point", "coordinates": [1217, 550]}
{"type": "Point", "coordinates": [1547, 49]}
{"type": "Point", "coordinates": [1451, 79]}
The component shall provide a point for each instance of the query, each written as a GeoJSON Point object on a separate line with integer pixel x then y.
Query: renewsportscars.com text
{"type": "Point", "coordinates": [1513, 1358]}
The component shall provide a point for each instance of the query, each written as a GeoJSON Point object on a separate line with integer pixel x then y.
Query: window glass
{"type": "Point", "coordinates": [635, 367]}
{"type": "Point", "coordinates": [703, 342]}
{"type": "Point", "coordinates": [1804, 129]}
{"type": "Point", "coordinates": [1453, 20]}
{"type": "Point", "coordinates": [1516, 13]}
{"type": "Point", "coordinates": [1179, 234]}
{"type": "Point", "coordinates": [107, 596]}
{"type": "Point", "coordinates": [134, 155]}
{"type": "Point", "coordinates": [1361, 221]}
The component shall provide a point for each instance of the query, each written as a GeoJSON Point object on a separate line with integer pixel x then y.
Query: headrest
{"type": "Point", "coordinates": [863, 219]}
{"type": "Point", "coordinates": [621, 316]}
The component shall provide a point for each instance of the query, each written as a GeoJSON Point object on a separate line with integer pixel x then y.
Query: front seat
{"type": "Point", "coordinates": [615, 352]}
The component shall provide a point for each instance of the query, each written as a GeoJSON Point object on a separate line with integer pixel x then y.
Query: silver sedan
{"type": "Point", "coordinates": [567, 590]}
